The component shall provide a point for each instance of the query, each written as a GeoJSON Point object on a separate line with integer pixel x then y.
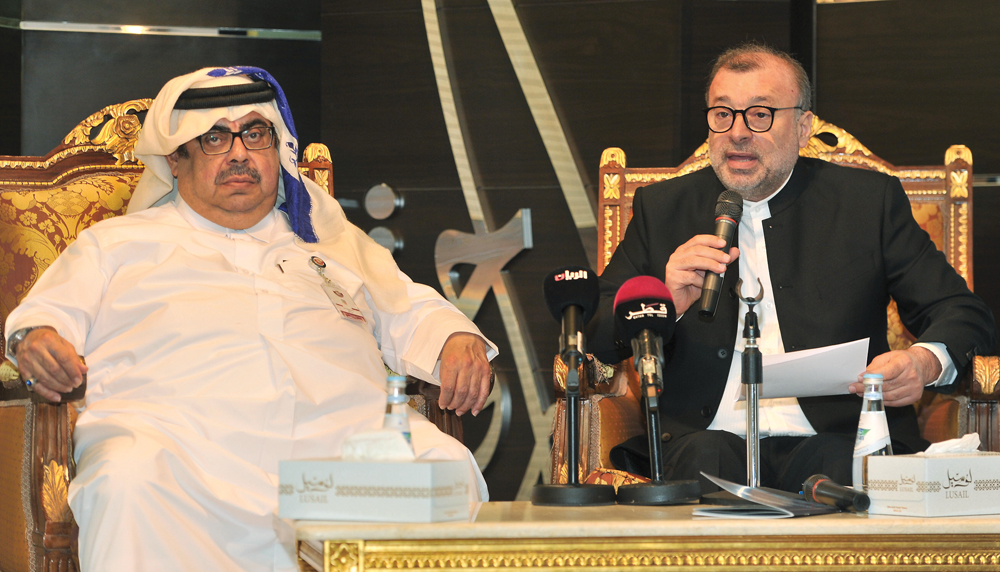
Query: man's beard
{"type": "Point", "coordinates": [761, 184]}
{"type": "Point", "coordinates": [238, 171]}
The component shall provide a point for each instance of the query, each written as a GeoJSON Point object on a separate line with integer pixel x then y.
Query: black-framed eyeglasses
{"type": "Point", "coordinates": [220, 142]}
{"type": "Point", "coordinates": [758, 118]}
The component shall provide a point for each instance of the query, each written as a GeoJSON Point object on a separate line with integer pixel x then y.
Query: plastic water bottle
{"type": "Point", "coordinates": [396, 418]}
{"type": "Point", "coordinates": [873, 430]}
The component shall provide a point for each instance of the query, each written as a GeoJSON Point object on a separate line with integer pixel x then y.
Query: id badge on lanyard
{"type": "Point", "coordinates": [336, 293]}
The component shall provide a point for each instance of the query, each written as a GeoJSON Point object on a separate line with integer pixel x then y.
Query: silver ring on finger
{"type": "Point", "coordinates": [30, 383]}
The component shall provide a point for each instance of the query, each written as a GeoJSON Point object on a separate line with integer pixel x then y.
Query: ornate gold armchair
{"type": "Point", "coordinates": [44, 204]}
{"type": "Point", "coordinates": [941, 199]}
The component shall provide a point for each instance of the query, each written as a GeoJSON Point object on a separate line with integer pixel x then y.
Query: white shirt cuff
{"type": "Point", "coordinates": [421, 358]}
{"type": "Point", "coordinates": [948, 371]}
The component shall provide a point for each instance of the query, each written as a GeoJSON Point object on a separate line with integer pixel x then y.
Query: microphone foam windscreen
{"type": "Point", "coordinates": [572, 286]}
{"type": "Point", "coordinates": [644, 303]}
{"type": "Point", "coordinates": [730, 205]}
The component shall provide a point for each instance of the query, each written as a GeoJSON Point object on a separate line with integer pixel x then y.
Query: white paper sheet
{"type": "Point", "coordinates": [809, 373]}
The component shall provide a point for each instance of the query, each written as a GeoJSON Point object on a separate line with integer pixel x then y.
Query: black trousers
{"type": "Point", "coordinates": [786, 462]}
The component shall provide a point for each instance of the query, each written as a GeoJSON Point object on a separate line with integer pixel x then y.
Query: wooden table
{"type": "Point", "coordinates": [507, 535]}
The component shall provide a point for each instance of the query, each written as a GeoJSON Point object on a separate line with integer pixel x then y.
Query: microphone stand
{"type": "Point", "coordinates": [573, 493]}
{"type": "Point", "coordinates": [658, 491]}
{"type": "Point", "coordinates": [753, 374]}
{"type": "Point", "coordinates": [751, 378]}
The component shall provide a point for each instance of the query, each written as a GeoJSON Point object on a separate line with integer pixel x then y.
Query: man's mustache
{"type": "Point", "coordinates": [238, 171]}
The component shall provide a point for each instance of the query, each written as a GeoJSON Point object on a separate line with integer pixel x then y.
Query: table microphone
{"type": "Point", "coordinates": [572, 295]}
{"type": "Point", "coordinates": [645, 314]}
{"type": "Point", "coordinates": [819, 488]}
{"type": "Point", "coordinates": [728, 212]}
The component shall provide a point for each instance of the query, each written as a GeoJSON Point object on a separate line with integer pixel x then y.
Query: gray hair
{"type": "Point", "coordinates": [748, 57]}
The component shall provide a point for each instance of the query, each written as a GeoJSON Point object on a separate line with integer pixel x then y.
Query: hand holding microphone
{"type": "Point", "coordinates": [728, 212]}
{"type": "Point", "coordinates": [693, 272]}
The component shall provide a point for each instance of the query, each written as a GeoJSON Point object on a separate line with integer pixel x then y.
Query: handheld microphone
{"type": "Point", "coordinates": [572, 295]}
{"type": "Point", "coordinates": [645, 314]}
{"type": "Point", "coordinates": [728, 211]}
{"type": "Point", "coordinates": [819, 488]}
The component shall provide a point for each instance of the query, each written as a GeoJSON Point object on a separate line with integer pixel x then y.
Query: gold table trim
{"type": "Point", "coordinates": [744, 553]}
{"type": "Point", "coordinates": [519, 535]}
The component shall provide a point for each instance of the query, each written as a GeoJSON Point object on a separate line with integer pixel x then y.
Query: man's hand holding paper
{"type": "Point", "coordinates": [906, 373]}
{"type": "Point", "coordinates": [810, 373]}
{"type": "Point", "coordinates": [829, 371]}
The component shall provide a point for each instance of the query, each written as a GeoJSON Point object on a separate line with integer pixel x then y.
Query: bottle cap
{"type": "Point", "coordinates": [396, 380]}
{"type": "Point", "coordinates": [872, 378]}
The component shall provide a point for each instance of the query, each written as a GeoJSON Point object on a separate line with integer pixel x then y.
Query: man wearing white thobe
{"type": "Point", "coordinates": [223, 335]}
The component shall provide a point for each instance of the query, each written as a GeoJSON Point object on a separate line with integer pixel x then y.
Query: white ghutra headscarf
{"type": "Point", "coordinates": [316, 218]}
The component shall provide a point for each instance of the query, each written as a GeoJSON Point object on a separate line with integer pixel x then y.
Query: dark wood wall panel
{"type": "Point", "coordinates": [381, 114]}
{"type": "Point", "coordinates": [68, 76]}
{"type": "Point", "coordinates": [632, 74]}
{"type": "Point", "coordinates": [299, 14]}
{"type": "Point", "coordinates": [986, 247]}
{"type": "Point", "coordinates": [910, 78]}
{"type": "Point", "coordinates": [613, 72]}
{"type": "Point", "coordinates": [10, 71]}
{"type": "Point", "coordinates": [505, 145]}
{"type": "Point", "coordinates": [10, 95]}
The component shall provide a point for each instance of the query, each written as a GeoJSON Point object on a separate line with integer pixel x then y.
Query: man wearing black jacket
{"type": "Point", "coordinates": [829, 244]}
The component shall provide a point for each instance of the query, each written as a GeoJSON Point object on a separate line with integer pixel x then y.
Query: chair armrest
{"type": "Point", "coordinates": [424, 398]}
{"type": "Point", "coordinates": [432, 392]}
{"type": "Point", "coordinates": [985, 374]}
{"type": "Point", "coordinates": [51, 467]}
{"type": "Point", "coordinates": [14, 387]}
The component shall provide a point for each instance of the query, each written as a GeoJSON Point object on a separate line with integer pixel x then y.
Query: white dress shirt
{"type": "Point", "coordinates": [783, 416]}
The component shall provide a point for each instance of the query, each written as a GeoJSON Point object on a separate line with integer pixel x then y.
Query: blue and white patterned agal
{"type": "Point", "coordinates": [297, 203]}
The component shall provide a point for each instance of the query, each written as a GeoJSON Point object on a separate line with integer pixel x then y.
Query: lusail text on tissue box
{"type": "Point", "coordinates": [950, 484]}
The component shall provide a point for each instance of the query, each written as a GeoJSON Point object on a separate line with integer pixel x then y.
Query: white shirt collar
{"type": "Point", "coordinates": [756, 206]}
{"type": "Point", "coordinates": [273, 223]}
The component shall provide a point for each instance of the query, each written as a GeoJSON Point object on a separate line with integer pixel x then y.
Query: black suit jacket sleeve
{"type": "Point", "coordinates": [933, 300]}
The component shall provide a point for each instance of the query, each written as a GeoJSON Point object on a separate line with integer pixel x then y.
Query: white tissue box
{"type": "Point", "coordinates": [947, 484]}
{"type": "Point", "coordinates": [386, 491]}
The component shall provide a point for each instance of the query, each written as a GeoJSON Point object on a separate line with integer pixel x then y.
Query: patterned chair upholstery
{"type": "Point", "coordinates": [44, 204]}
{"type": "Point", "coordinates": [941, 200]}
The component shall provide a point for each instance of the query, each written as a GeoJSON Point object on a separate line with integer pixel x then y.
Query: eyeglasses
{"type": "Point", "coordinates": [757, 118]}
{"type": "Point", "coordinates": [220, 142]}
